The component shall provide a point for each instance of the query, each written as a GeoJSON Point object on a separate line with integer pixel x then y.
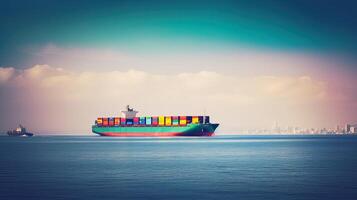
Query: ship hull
{"type": "Point", "coordinates": [157, 131]}
{"type": "Point", "coordinates": [16, 134]}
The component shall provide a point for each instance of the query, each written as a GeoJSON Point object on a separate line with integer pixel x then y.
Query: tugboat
{"type": "Point", "coordinates": [19, 131]}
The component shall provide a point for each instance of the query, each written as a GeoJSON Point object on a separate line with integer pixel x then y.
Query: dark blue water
{"type": "Point", "coordinates": [235, 167]}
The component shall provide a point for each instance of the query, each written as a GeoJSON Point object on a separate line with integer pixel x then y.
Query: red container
{"type": "Point", "coordinates": [122, 120]}
{"type": "Point", "coordinates": [105, 121]}
{"type": "Point", "coordinates": [136, 120]}
{"type": "Point", "coordinates": [111, 121]}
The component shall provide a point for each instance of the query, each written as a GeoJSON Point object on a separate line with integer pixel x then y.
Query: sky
{"type": "Point", "coordinates": [247, 64]}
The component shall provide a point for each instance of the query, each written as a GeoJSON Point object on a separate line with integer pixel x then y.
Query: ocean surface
{"type": "Point", "coordinates": [220, 167]}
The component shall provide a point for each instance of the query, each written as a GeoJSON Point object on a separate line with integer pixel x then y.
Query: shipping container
{"type": "Point", "coordinates": [161, 121]}
{"type": "Point", "coordinates": [206, 119]}
{"type": "Point", "coordinates": [136, 120]}
{"type": "Point", "coordinates": [154, 121]}
{"type": "Point", "coordinates": [99, 121]}
{"type": "Point", "coordinates": [200, 119]}
{"type": "Point", "coordinates": [111, 121]}
{"type": "Point", "coordinates": [148, 120]}
{"type": "Point", "coordinates": [195, 120]}
{"type": "Point", "coordinates": [116, 121]}
{"type": "Point", "coordinates": [142, 121]}
{"type": "Point", "coordinates": [183, 120]}
{"type": "Point", "coordinates": [105, 121]}
{"type": "Point", "coordinates": [175, 120]}
{"type": "Point", "coordinates": [129, 121]}
{"type": "Point", "coordinates": [122, 121]}
{"type": "Point", "coordinates": [188, 119]}
{"type": "Point", "coordinates": [168, 121]}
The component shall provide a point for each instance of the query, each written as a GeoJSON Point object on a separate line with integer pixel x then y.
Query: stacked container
{"type": "Point", "coordinates": [122, 121]}
{"type": "Point", "coordinates": [168, 121]}
{"type": "Point", "coordinates": [111, 121]}
{"type": "Point", "coordinates": [142, 121]}
{"type": "Point", "coordinates": [188, 119]}
{"type": "Point", "coordinates": [148, 121]}
{"type": "Point", "coordinates": [200, 119]}
{"type": "Point", "coordinates": [99, 121]}
{"type": "Point", "coordinates": [155, 121]}
{"type": "Point", "coordinates": [183, 121]}
{"type": "Point", "coordinates": [136, 120]}
{"type": "Point", "coordinates": [206, 120]}
{"type": "Point", "coordinates": [129, 122]}
{"type": "Point", "coordinates": [105, 121]}
{"type": "Point", "coordinates": [116, 121]}
{"type": "Point", "coordinates": [161, 121]}
{"type": "Point", "coordinates": [195, 120]}
{"type": "Point", "coordinates": [175, 120]}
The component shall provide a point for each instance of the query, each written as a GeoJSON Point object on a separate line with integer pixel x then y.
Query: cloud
{"type": "Point", "coordinates": [6, 74]}
{"type": "Point", "coordinates": [58, 100]}
{"type": "Point", "coordinates": [243, 61]}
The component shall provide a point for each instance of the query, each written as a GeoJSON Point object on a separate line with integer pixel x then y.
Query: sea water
{"type": "Point", "coordinates": [220, 167]}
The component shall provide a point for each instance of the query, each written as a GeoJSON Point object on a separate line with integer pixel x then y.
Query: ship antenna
{"type": "Point", "coordinates": [129, 109]}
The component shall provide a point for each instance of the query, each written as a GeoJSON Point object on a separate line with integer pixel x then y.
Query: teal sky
{"type": "Point", "coordinates": [169, 26]}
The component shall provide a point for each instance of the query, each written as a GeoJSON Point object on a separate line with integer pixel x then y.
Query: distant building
{"type": "Point", "coordinates": [353, 129]}
{"type": "Point", "coordinates": [348, 128]}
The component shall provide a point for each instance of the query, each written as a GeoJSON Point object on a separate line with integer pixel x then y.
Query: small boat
{"type": "Point", "coordinates": [19, 131]}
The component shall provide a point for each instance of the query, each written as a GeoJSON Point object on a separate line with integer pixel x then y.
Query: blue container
{"type": "Point", "coordinates": [200, 119]}
{"type": "Point", "coordinates": [129, 122]}
{"type": "Point", "coordinates": [142, 121]}
{"type": "Point", "coordinates": [189, 119]}
{"type": "Point", "coordinates": [206, 119]}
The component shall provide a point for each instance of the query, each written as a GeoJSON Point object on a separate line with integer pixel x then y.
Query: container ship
{"type": "Point", "coordinates": [129, 125]}
{"type": "Point", "coordinates": [20, 131]}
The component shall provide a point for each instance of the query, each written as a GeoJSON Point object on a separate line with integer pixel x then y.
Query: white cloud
{"type": "Point", "coordinates": [58, 100]}
{"type": "Point", "coordinates": [241, 61]}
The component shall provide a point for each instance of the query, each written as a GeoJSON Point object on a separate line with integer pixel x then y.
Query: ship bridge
{"type": "Point", "coordinates": [129, 113]}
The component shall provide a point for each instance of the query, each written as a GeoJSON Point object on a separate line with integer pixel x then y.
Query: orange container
{"type": "Point", "coordinates": [99, 121]}
{"type": "Point", "coordinates": [116, 121]}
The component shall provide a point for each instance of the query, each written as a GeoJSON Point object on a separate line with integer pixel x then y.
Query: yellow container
{"type": "Point", "coordinates": [195, 120]}
{"type": "Point", "coordinates": [183, 122]}
{"type": "Point", "coordinates": [168, 121]}
{"type": "Point", "coordinates": [161, 121]}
